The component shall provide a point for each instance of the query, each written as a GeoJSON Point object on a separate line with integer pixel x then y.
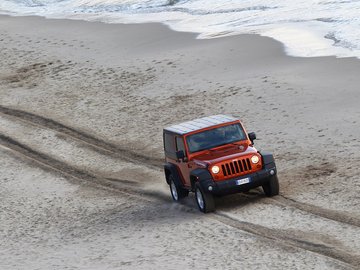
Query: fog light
{"type": "Point", "coordinates": [272, 172]}
{"type": "Point", "coordinates": [210, 188]}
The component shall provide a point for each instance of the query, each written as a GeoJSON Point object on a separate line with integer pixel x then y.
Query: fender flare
{"type": "Point", "coordinates": [267, 159]}
{"type": "Point", "coordinates": [170, 168]}
{"type": "Point", "coordinates": [200, 175]}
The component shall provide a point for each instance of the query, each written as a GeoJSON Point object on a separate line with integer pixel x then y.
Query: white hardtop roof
{"type": "Point", "coordinates": [200, 123]}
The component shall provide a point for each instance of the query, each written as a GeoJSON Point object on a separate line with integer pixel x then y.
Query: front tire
{"type": "Point", "coordinates": [271, 187]}
{"type": "Point", "coordinates": [177, 192]}
{"type": "Point", "coordinates": [204, 200]}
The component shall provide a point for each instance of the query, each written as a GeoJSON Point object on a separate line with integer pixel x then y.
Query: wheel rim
{"type": "Point", "coordinates": [199, 199]}
{"type": "Point", "coordinates": [174, 191]}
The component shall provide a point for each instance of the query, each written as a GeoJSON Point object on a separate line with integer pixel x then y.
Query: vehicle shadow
{"type": "Point", "coordinates": [238, 200]}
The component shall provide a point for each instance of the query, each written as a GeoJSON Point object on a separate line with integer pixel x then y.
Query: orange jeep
{"type": "Point", "coordinates": [215, 156]}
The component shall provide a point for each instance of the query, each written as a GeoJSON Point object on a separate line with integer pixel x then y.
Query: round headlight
{"type": "Point", "coordinates": [215, 169]}
{"type": "Point", "coordinates": [255, 159]}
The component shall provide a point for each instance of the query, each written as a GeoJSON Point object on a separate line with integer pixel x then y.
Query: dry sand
{"type": "Point", "coordinates": [82, 107]}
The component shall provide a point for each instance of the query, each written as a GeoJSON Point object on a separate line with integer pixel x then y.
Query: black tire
{"type": "Point", "coordinates": [271, 187]}
{"type": "Point", "coordinates": [177, 192]}
{"type": "Point", "coordinates": [204, 200]}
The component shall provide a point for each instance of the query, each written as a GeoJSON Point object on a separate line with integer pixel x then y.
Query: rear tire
{"type": "Point", "coordinates": [177, 192]}
{"type": "Point", "coordinates": [204, 200]}
{"type": "Point", "coordinates": [271, 187]}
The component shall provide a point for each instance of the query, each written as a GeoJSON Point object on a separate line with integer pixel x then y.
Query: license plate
{"type": "Point", "coordinates": [242, 181]}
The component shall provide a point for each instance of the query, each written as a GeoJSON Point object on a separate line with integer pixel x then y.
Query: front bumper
{"type": "Point", "coordinates": [231, 186]}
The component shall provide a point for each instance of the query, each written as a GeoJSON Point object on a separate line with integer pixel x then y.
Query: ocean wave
{"type": "Point", "coordinates": [164, 8]}
{"type": "Point", "coordinates": [307, 28]}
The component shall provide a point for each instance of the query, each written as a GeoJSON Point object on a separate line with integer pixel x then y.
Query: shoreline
{"type": "Point", "coordinates": [195, 34]}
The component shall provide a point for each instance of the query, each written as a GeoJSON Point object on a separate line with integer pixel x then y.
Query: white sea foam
{"type": "Point", "coordinates": [306, 28]}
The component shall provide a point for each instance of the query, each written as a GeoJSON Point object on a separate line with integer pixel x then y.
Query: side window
{"type": "Point", "coordinates": [180, 144]}
{"type": "Point", "coordinates": [169, 145]}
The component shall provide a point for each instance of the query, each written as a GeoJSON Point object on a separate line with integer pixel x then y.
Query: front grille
{"type": "Point", "coordinates": [236, 166]}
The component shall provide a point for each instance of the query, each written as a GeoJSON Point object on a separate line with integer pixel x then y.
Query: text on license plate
{"type": "Point", "coordinates": [242, 181]}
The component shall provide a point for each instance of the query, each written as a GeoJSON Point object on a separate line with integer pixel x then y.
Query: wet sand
{"type": "Point", "coordinates": [82, 107]}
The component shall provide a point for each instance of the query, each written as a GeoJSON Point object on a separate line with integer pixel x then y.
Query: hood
{"type": "Point", "coordinates": [223, 153]}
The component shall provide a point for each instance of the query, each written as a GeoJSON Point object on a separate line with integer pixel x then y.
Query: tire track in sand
{"type": "Point", "coordinates": [319, 211]}
{"type": "Point", "coordinates": [283, 238]}
{"type": "Point", "coordinates": [95, 143]}
{"type": "Point", "coordinates": [282, 200]}
{"type": "Point", "coordinates": [115, 151]}
{"type": "Point", "coordinates": [49, 163]}
{"type": "Point", "coordinates": [273, 235]}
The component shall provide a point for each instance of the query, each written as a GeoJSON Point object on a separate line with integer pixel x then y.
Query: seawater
{"type": "Point", "coordinates": [306, 28]}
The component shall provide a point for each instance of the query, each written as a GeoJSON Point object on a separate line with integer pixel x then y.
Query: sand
{"type": "Point", "coordinates": [82, 107]}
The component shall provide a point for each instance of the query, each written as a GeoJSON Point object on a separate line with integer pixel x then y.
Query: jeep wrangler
{"type": "Point", "coordinates": [214, 156]}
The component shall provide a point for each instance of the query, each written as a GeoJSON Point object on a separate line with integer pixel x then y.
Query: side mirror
{"type": "Point", "coordinates": [252, 137]}
{"type": "Point", "coordinates": [180, 155]}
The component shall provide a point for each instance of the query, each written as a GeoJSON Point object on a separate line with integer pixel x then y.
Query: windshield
{"type": "Point", "coordinates": [215, 137]}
